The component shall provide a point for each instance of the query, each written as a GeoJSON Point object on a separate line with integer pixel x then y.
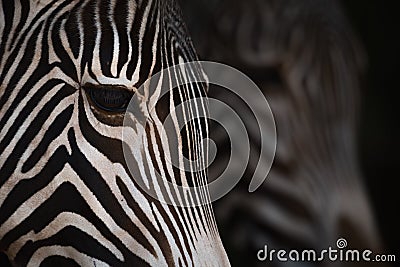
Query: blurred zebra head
{"type": "Point", "coordinates": [309, 64]}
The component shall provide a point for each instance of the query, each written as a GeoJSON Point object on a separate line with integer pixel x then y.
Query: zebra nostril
{"type": "Point", "coordinates": [110, 98]}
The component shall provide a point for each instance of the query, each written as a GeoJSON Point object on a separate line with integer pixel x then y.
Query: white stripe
{"type": "Point", "coordinates": [63, 220]}
{"type": "Point", "coordinates": [68, 252]}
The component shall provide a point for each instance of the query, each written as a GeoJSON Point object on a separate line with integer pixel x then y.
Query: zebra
{"type": "Point", "coordinates": [309, 64]}
{"type": "Point", "coordinates": [68, 71]}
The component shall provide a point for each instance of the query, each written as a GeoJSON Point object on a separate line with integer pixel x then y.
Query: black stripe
{"type": "Point", "coordinates": [65, 198]}
{"type": "Point", "coordinates": [95, 182]}
{"type": "Point", "coordinates": [66, 65]}
{"type": "Point", "coordinates": [134, 36]}
{"type": "Point", "coordinates": [22, 66]}
{"type": "Point", "coordinates": [89, 38]}
{"type": "Point", "coordinates": [54, 130]}
{"type": "Point", "coordinates": [106, 38]}
{"type": "Point", "coordinates": [33, 129]}
{"type": "Point", "coordinates": [24, 15]}
{"type": "Point", "coordinates": [8, 13]}
{"type": "Point", "coordinates": [120, 18]}
{"type": "Point", "coordinates": [25, 189]}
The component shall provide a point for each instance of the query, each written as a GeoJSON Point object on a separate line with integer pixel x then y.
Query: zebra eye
{"type": "Point", "coordinates": [109, 98]}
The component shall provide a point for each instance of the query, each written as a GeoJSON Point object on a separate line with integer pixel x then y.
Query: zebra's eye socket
{"type": "Point", "coordinates": [109, 98]}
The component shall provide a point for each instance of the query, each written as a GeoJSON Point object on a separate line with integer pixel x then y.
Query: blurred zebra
{"type": "Point", "coordinates": [309, 64]}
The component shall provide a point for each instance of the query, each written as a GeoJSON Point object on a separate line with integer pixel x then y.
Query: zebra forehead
{"type": "Point", "coordinates": [120, 43]}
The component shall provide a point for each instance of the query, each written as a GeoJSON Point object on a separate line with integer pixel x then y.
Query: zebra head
{"type": "Point", "coordinates": [68, 70]}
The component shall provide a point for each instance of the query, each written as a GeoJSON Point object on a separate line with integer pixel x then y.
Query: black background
{"type": "Point", "coordinates": [376, 23]}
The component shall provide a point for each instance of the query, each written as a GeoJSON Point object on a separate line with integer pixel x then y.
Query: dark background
{"type": "Point", "coordinates": [376, 23]}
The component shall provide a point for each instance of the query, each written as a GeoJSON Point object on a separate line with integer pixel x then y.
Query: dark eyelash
{"type": "Point", "coordinates": [109, 98]}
